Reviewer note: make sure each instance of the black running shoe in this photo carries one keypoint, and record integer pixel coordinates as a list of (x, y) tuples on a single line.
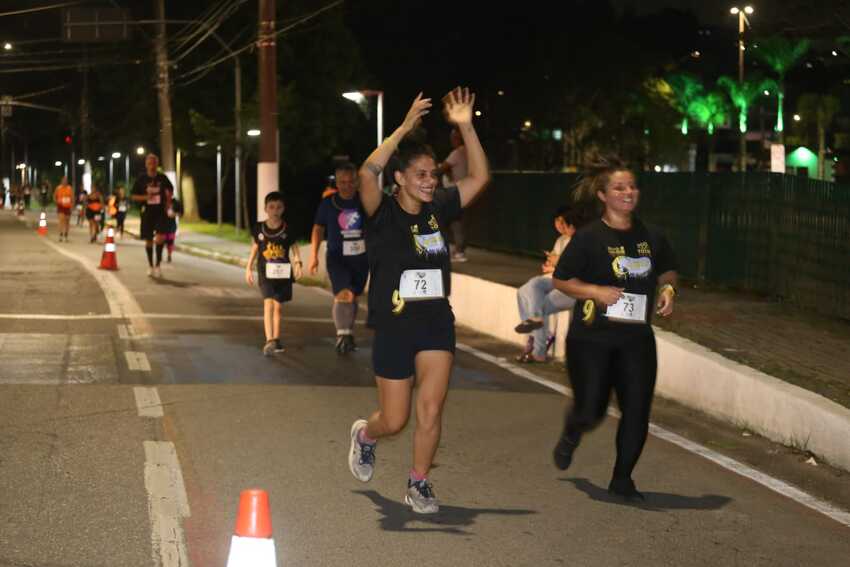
[(527, 326), (563, 453), (625, 489)]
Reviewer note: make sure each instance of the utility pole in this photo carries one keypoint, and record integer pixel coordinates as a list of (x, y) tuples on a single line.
[(166, 139), (267, 167)]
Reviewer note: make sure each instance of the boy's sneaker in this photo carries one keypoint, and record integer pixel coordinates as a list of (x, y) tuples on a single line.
[(420, 497), (157, 272), (278, 346), (625, 489), (459, 257), (269, 347), (150, 272), (361, 456), (563, 453)]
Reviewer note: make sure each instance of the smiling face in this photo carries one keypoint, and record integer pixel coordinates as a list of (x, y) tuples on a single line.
[(621, 194), (419, 180)]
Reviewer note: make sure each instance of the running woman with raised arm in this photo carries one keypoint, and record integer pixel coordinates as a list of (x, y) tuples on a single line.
[(410, 274)]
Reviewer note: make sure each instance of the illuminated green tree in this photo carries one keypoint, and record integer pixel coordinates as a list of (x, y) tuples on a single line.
[(781, 54), (819, 110), (742, 96), (686, 88), (709, 110)]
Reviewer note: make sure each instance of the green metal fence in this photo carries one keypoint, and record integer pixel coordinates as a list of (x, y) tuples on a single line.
[(774, 234)]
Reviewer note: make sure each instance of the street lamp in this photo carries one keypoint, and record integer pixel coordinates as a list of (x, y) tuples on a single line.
[(253, 132), (742, 14), (81, 162), (58, 163), (140, 151), (7, 46), (360, 98)]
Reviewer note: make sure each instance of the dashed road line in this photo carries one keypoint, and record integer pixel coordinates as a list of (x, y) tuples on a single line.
[(167, 504), (137, 361), (148, 402)]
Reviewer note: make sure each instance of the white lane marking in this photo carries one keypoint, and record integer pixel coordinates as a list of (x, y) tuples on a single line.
[(137, 361), (121, 302), (167, 504), (512, 368), (135, 334), (776, 485), (148, 402)]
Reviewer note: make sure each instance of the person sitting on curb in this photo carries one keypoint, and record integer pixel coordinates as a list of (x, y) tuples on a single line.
[(538, 298)]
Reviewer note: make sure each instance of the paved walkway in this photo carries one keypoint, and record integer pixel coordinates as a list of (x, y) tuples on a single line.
[(803, 349)]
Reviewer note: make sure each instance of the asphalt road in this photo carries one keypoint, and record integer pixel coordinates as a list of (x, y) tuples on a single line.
[(133, 411)]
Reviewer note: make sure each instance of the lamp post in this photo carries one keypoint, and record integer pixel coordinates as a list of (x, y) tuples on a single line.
[(360, 98), (742, 14), (112, 158)]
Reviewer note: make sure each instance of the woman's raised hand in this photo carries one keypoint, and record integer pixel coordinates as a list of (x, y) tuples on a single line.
[(418, 109), (458, 105)]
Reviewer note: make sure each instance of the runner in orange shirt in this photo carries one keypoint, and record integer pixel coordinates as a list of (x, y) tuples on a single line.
[(94, 212), (64, 198)]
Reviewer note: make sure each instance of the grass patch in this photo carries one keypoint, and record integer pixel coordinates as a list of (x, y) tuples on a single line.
[(226, 231)]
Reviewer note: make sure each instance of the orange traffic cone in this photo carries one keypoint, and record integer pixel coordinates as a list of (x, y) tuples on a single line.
[(253, 546), (109, 258), (42, 224)]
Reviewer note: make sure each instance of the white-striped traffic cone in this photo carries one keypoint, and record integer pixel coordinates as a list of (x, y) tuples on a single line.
[(42, 224), (253, 545), (109, 258)]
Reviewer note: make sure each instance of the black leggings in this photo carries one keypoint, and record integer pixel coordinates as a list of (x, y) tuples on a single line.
[(629, 367)]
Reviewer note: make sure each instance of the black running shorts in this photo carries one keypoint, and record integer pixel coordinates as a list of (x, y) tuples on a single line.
[(395, 347)]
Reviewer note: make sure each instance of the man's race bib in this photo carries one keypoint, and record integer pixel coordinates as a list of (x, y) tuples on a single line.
[(278, 271), (154, 199), (421, 284), (66, 201), (631, 308), (122, 208), (353, 247), (97, 218)]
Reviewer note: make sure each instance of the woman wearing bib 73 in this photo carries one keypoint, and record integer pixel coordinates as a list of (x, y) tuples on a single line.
[(410, 273), (620, 271)]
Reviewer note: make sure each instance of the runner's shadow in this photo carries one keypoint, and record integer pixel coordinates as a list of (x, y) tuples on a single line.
[(450, 519), (655, 501), (174, 283)]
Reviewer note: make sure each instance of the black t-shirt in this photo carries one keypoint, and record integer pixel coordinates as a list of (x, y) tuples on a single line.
[(397, 241), (343, 221), (273, 248), (631, 259), (158, 190)]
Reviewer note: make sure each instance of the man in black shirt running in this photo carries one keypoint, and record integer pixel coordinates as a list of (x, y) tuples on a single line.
[(155, 191)]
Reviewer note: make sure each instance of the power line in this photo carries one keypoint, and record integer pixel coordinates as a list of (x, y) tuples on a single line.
[(252, 44), (211, 30), (38, 93), (42, 8)]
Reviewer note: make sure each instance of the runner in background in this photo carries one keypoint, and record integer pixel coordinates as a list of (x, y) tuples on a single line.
[(454, 169), (340, 216), (173, 213), (94, 212), (81, 207), (154, 191), (278, 265), (63, 196), (121, 205)]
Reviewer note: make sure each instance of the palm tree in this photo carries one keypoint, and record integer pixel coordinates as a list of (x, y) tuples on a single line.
[(742, 96), (781, 54), (820, 109), (686, 88), (709, 110)]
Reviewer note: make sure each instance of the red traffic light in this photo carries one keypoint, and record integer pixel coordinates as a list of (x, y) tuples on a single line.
[(68, 140)]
